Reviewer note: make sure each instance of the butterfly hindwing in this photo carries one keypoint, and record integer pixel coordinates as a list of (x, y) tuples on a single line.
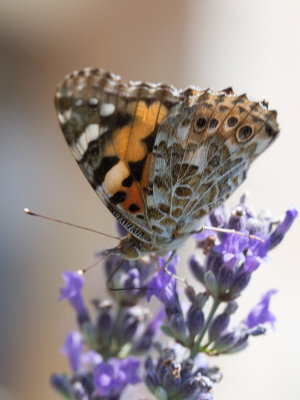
[(201, 155)]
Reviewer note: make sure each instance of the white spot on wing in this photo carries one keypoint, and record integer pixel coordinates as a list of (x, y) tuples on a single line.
[(107, 109), (65, 116), (78, 103), (115, 176), (93, 101), (92, 132), (68, 113), (82, 143), (61, 118)]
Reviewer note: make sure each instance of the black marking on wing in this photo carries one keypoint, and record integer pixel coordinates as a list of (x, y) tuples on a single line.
[(118, 197), (105, 165), (137, 168)]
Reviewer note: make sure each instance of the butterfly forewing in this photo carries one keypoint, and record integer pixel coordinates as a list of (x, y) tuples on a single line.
[(111, 128)]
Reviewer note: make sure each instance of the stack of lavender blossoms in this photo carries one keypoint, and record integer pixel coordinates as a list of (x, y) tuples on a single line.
[(125, 345)]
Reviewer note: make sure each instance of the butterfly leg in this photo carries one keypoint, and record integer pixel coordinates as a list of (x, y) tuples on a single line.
[(165, 269)]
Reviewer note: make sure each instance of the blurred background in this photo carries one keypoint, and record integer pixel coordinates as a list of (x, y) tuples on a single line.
[(253, 46)]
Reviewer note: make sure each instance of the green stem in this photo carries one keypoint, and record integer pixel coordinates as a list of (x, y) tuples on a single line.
[(196, 348)]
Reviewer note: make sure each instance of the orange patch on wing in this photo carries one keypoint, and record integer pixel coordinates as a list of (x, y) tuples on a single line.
[(113, 183), (145, 175), (127, 144), (127, 141), (133, 196)]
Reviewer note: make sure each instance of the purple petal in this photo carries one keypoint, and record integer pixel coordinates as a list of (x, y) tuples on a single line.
[(256, 254), (130, 368), (72, 291), (277, 236), (261, 314), (73, 349), (104, 378), (290, 215), (73, 285), (112, 377), (163, 286), (90, 359), (232, 248)]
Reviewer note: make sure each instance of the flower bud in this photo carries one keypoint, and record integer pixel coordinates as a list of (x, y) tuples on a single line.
[(225, 278), (218, 217), (178, 327), (237, 220), (61, 384), (211, 283), (195, 320), (127, 328), (239, 283), (104, 328), (79, 392), (198, 270), (218, 326)]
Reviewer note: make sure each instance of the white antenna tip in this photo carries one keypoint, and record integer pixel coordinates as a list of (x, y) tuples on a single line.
[(26, 211), (80, 272)]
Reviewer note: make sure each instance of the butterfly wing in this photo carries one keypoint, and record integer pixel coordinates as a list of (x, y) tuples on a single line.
[(111, 128), (201, 154)]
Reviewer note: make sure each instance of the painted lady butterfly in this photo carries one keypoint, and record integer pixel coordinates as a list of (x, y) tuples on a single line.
[(160, 158)]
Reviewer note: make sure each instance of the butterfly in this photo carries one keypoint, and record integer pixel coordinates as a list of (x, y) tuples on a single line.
[(159, 158)]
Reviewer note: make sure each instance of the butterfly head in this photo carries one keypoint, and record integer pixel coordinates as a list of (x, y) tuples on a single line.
[(127, 249)]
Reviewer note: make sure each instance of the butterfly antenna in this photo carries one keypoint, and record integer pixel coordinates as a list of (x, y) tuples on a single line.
[(85, 270), (112, 275), (231, 231), (29, 212)]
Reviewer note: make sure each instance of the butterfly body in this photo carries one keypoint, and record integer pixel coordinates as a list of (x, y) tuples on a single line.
[(160, 159)]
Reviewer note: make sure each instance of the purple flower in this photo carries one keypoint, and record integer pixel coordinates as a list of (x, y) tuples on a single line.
[(256, 254), (72, 291), (217, 218), (171, 379), (232, 248), (231, 259), (73, 350), (277, 236), (163, 286), (111, 378), (261, 314), (133, 274)]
